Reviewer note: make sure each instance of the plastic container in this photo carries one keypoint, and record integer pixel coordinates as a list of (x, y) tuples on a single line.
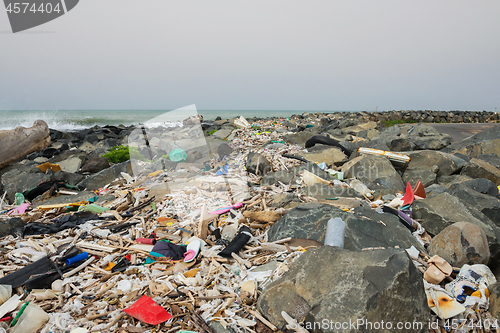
[(335, 232), (32, 319), (77, 258), (177, 155)]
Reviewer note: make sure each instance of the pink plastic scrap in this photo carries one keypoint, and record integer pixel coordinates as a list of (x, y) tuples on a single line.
[(21, 209), (147, 311), (223, 210)]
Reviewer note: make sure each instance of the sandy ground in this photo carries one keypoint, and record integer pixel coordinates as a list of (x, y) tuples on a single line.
[(459, 132)]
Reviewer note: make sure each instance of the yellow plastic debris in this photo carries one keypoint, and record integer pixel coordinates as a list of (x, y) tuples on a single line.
[(156, 173), (73, 204), (45, 166)]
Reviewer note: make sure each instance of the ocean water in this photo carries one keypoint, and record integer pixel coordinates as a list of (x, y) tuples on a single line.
[(65, 120)]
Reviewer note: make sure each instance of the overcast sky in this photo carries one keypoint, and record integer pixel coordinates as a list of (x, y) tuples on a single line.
[(258, 54)]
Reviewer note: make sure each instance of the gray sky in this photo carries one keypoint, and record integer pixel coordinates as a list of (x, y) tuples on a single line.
[(271, 54)]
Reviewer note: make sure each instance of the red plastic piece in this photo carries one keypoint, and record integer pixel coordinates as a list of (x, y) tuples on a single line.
[(150, 241), (409, 197), (147, 311), (419, 190)]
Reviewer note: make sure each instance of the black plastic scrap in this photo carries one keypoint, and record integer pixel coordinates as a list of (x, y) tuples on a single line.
[(243, 236), (19, 278), (65, 222), (326, 141), (44, 187)]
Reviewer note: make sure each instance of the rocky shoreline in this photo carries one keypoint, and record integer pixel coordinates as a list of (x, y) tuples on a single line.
[(291, 177)]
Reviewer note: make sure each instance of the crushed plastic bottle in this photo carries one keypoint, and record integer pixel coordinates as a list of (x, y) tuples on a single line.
[(18, 199), (93, 208)]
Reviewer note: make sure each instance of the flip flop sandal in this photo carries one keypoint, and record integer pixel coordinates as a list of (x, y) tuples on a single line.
[(192, 250)]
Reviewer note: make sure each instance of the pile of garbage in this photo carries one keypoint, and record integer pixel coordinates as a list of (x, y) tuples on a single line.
[(182, 243)]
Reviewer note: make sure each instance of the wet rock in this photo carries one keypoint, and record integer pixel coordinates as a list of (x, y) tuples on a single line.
[(447, 163), (22, 141), (461, 243), (105, 176), (482, 169), (309, 221), (258, 164), (321, 153), (376, 172), (21, 179), (95, 164), (328, 284)]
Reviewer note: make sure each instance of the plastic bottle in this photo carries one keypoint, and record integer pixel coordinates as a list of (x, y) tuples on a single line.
[(335, 232), (361, 188), (32, 319), (18, 199)]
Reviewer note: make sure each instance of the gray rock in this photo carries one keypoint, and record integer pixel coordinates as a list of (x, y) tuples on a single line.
[(71, 165), (222, 133), (13, 226), (442, 210), (299, 138), (376, 172), (492, 159), (224, 149), (461, 243), (105, 177), (492, 133), (327, 154), (21, 179), (70, 178), (432, 143), (283, 199), (494, 300), (323, 192), (450, 180), (328, 284), (66, 199), (486, 204), (286, 176), (480, 185), (95, 164), (309, 221), (426, 176), (482, 169), (447, 163), (258, 164)]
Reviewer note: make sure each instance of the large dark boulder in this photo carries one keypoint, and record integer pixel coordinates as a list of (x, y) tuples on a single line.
[(94, 164), (330, 285), (492, 159), (20, 179), (482, 169), (445, 164), (376, 172), (486, 204), (105, 176), (13, 226), (481, 185), (363, 228)]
